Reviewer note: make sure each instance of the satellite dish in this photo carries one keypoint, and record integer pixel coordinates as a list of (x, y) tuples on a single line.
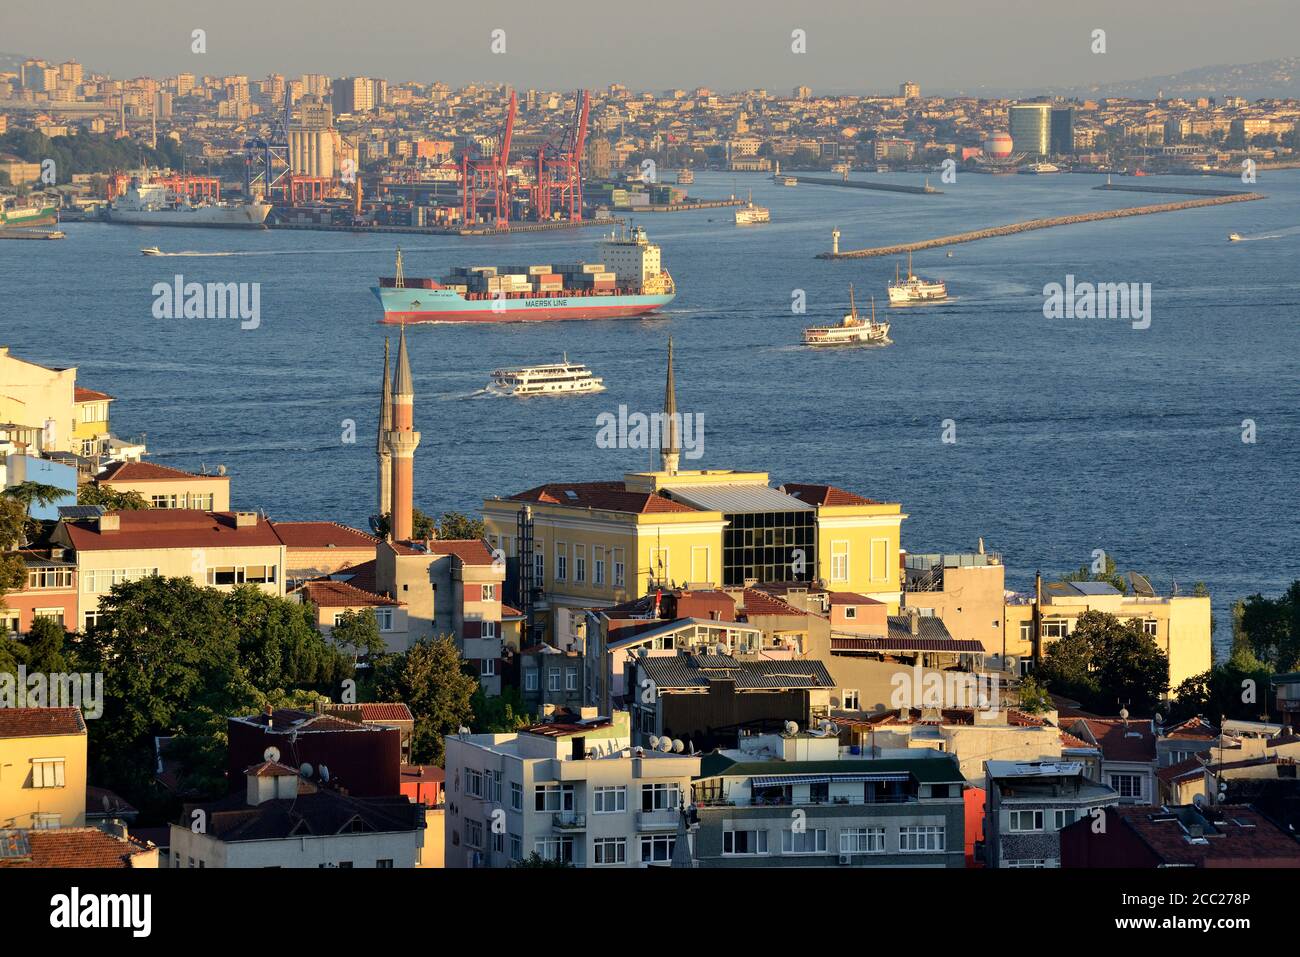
[(654, 741), (271, 754), (1198, 800), (791, 728), (324, 773), (665, 744), (722, 648), (305, 769), (678, 746), (1141, 585), (221, 470)]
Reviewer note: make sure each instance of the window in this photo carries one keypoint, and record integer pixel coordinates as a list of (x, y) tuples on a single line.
[(259, 574), (1128, 785), (473, 782), (201, 501), (47, 821), (1032, 862), (90, 619), (659, 570), (920, 838), (744, 842), (498, 842), (516, 796), (384, 618), (384, 863), (839, 561), (598, 556), (1151, 627), (49, 578), (552, 679), (555, 849), (609, 850), (487, 667), (539, 566), (657, 848), (1027, 631), (611, 800), (561, 561), (660, 797), (618, 568), (1062, 818), (102, 579), (570, 679), (473, 833), (851, 611), (487, 629), (850, 699), (489, 592), (530, 680), (803, 842), (492, 780), (1025, 821), (579, 563), (1056, 627), (53, 614), (167, 501), (516, 847), (47, 772), (239, 574), (553, 797), (862, 840)]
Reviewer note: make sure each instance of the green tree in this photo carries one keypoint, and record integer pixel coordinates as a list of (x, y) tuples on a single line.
[(26, 493), (110, 498), (280, 647), (1106, 662), (1272, 626), (456, 525), (428, 676), (45, 647), (498, 714), (13, 532), (536, 860), (422, 526), (1033, 696), (356, 633), (1110, 574)]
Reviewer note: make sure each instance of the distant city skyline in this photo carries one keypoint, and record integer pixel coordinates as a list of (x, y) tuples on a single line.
[(1003, 45)]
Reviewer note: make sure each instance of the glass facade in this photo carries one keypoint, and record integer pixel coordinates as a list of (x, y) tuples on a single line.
[(1031, 128), (769, 547)]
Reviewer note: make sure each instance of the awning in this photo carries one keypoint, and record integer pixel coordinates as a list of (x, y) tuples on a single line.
[(784, 780)]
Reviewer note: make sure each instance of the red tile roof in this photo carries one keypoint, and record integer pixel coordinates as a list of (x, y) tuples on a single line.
[(422, 772), (322, 535), (89, 395), (508, 611), (70, 847), (1196, 728), (171, 528), (1120, 742), (1243, 838), (39, 722), (327, 593), (360, 575), (367, 711), (815, 494), (1183, 767), (608, 496), (756, 602), (150, 472), (851, 598), (471, 551)]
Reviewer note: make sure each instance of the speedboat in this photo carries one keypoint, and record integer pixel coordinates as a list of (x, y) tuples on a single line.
[(151, 251), (1234, 237)]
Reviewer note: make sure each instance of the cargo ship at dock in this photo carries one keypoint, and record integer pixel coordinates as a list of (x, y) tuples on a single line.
[(628, 281)]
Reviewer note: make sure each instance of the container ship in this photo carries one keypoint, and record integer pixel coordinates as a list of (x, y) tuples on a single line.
[(150, 204), (628, 281)]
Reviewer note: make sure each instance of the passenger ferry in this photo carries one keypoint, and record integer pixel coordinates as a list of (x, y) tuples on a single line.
[(750, 215), (853, 330), (561, 378), (914, 288)]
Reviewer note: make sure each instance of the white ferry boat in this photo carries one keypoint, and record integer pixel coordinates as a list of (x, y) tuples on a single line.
[(1234, 237), (150, 204), (853, 330), (750, 215), (561, 378), (1037, 169), (788, 180), (914, 288)]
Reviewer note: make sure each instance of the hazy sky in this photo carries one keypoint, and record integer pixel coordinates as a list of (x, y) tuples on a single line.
[(945, 45)]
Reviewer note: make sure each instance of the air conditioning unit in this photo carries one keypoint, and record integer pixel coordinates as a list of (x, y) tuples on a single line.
[(846, 858)]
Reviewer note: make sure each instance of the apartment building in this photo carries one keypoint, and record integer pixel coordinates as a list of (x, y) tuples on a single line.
[(1128, 754), (1227, 835), (42, 768), (164, 487), (573, 790), (800, 800), (217, 549), (1028, 803)]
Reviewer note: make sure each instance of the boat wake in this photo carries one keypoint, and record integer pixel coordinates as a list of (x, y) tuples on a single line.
[(1280, 234)]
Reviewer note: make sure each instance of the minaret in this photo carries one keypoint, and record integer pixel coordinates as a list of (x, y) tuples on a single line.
[(402, 440), (672, 441), (381, 450)]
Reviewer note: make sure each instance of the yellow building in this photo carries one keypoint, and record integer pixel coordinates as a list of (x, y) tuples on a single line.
[(90, 427), (42, 768), (166, 488), (1180, 625), (595, 544), (40, 399)]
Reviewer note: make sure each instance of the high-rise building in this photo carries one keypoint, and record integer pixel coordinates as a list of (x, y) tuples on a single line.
[(909, 90), (1062, 139), (353, 94), (1031, 128), (184, 84)]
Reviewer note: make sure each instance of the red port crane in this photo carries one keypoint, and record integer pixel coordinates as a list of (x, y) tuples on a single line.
[(479, 177), (559, 169)]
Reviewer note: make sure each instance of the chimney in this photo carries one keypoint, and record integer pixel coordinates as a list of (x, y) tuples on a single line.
[(109, 522), (245, 519), (913, 621)]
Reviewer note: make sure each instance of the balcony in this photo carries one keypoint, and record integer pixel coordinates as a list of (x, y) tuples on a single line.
[(656, 820), (568, 821)]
